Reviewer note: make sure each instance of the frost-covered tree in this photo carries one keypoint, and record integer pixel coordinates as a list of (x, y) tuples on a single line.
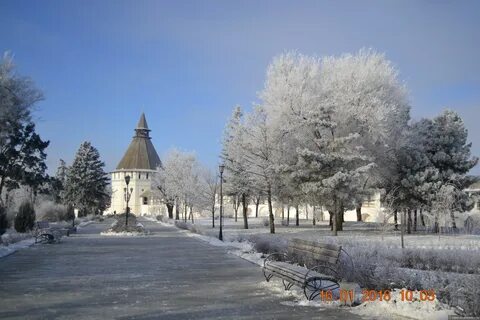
[(87, 182), (238, 174), (263, 157), (434, 155), (177, 182), (446, 146), (324, 108), (22, 151), (371, 101), (207, 191)]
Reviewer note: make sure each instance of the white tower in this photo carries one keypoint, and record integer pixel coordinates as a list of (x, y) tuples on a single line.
[(140, 163)]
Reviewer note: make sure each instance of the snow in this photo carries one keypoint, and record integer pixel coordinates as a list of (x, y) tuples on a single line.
[(14, 247), (123, 234), (85, 223), (394, 309)]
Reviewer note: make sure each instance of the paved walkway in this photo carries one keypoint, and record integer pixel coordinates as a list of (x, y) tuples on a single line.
[(163, 276)]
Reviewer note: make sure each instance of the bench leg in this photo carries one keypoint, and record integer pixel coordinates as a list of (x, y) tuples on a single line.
[(267, 277), (287, 285)]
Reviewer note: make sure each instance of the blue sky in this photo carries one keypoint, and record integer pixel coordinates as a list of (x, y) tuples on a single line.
[(187, 63)]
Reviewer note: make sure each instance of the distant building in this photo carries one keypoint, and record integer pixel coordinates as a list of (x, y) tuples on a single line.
[(140, 162), (474, 191)]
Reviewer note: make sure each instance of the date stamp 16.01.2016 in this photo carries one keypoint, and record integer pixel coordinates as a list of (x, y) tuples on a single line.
[(378, 295)]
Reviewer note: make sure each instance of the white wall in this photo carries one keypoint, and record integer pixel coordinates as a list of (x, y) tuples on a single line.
[(139, 183)]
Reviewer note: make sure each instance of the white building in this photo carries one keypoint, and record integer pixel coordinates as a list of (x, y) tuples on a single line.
[(140, 162)]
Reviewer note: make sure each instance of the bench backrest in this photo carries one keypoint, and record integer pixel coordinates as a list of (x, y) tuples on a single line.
[(314, 251), (42, 225)]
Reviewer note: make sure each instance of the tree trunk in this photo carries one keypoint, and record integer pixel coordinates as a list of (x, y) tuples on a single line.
[(435, 225), (270, 210), (339, 215), (335, 219), (395, 218), (314, 216), (235, 206), (297, 216), (452, 217), (257, 204), (177, 212), (288, 215), (402, 227), (185, 212), (191, 214), (213, 216), (358, 208), (422, 218), (283, 212), (330, 223), (415, 220), (170, 210), (306, 211), (409, 222), (245, 211)]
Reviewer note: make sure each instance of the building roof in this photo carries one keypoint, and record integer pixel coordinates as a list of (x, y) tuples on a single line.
[(141, 153)]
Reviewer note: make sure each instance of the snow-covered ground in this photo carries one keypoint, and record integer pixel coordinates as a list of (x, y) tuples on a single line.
[(11, 241), (367, 234)]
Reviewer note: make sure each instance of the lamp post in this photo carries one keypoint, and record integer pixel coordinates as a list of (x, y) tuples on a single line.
[(221, 168), (127, 198)]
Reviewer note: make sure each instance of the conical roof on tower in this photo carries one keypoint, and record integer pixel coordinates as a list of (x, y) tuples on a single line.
[(141, 153)]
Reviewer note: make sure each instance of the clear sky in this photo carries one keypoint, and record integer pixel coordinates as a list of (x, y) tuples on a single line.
[(187, 63)]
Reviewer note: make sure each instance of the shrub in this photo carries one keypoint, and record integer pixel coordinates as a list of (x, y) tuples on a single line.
[(266, 221), (3, 220), (269, 244), (284, 223), (25, 218), (472, 224), (133, 226), (161, 218), (181, 225), (52, 212)]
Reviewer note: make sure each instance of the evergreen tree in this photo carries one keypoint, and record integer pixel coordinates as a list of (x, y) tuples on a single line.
[(25, 218), (449, 153), (58, 182), (86, 183), (22, 159), (22, 156)]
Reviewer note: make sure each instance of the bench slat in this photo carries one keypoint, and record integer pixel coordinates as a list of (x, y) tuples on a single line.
[(295, 271), (316, 250), (317, 257), (316, 244)]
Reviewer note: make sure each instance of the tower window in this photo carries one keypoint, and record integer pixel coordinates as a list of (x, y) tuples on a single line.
[(147, 175), (139, 176), (145, 200)]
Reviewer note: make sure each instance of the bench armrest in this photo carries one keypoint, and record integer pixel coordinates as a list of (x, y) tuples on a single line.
[(276, 254)]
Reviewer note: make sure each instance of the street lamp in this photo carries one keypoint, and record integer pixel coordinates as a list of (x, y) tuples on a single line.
[(127, 198), (221, 168)]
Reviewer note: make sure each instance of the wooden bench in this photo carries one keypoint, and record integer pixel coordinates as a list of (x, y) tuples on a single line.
[(45, 234), (321, 271)]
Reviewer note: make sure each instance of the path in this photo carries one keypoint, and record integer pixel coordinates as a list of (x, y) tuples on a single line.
[(166, 275)]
